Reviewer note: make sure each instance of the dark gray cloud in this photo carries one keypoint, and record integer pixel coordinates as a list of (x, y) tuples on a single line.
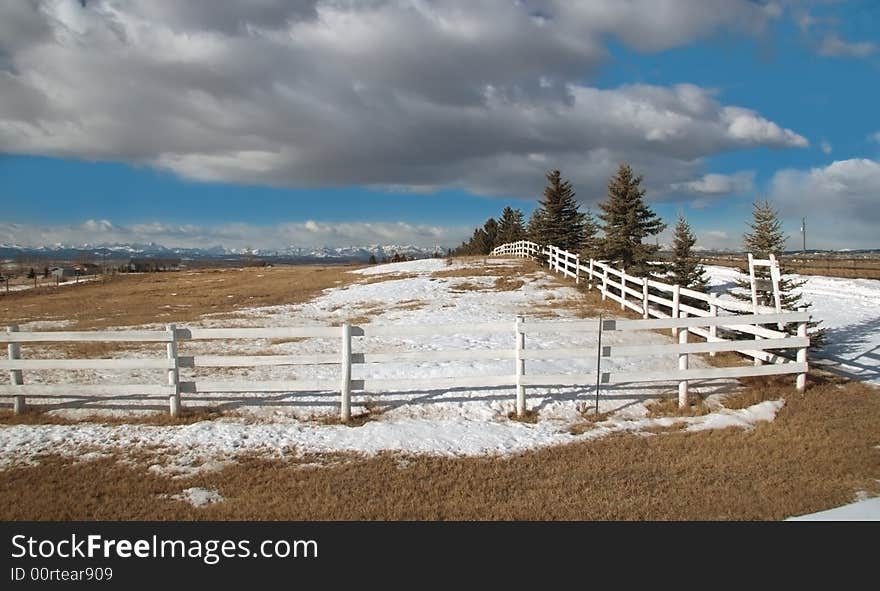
[(484, 96)]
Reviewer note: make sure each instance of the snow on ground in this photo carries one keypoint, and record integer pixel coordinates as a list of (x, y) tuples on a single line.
[(199, 497), (865, 510), (427, 420), (850, 313)]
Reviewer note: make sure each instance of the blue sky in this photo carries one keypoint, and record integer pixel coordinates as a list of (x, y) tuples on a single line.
[(195, 126)]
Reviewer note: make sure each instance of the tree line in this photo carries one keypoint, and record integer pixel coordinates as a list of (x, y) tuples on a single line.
[(620, 234)]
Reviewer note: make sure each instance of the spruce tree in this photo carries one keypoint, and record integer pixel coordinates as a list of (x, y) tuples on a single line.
[(535, 226), (686, 269), (766, 237), (558, 220), (627, 220), (590, 245), (511, 226)]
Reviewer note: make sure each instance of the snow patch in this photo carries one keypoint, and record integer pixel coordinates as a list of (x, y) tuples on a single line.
[(867, 510), (199, 497)]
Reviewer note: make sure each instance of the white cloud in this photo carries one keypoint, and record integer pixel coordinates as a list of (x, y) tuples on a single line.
[(380, 93), (840, 202), (719, 184), (826, 147), (307, 234), (875, 137), (833, 46)]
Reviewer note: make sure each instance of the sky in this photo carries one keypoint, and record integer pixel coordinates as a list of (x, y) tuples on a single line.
[(275, 123)]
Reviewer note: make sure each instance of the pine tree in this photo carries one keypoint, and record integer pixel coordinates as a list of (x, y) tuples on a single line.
[(686, 269), (511, 226), (590, 245), (372, 260), (490, 228), (627, 220), (535, 226), (766, 237), (558, 221)]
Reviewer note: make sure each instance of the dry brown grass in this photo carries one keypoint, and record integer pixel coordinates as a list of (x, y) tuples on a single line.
[(188, 415), (127, 300), (668, 407), (819, 452), (864, 268), (530, 416), (382, 277)]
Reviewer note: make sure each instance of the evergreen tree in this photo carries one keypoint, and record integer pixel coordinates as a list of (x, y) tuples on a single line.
[(490, 229), (535, 226), (558, 220), (590, 245), (372, 260), (766, 237), (686, 269), (627, 220), (511, 226)]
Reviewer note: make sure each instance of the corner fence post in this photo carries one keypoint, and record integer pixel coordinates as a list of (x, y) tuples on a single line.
[(713, 312), (676, 303), (683, 365), (345, 387), (520, 367), (173, 372), (577, 269), (622, 288), (15, 376), (801, 382), (645, 297), (590, 284)]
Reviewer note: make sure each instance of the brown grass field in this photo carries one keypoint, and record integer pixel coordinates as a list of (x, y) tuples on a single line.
[(829, 266), (822, 450), (135, 299)]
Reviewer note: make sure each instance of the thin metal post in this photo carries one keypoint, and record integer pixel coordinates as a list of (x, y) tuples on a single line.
[(19, 405), (520, 367), (599, 364), (345, 386)]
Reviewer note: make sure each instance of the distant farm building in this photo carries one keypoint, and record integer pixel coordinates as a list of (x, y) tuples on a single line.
[(62, 273), (149, 265)]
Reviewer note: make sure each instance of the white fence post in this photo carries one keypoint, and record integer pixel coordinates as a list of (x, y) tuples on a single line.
[(520, 368), (713, 313), (174, 372), (590, 284), (577, 269), (645, 297), (682, 365), (15, 376), (676, 303), (622, 288), (345, 387), (801, 382), (604, 282)]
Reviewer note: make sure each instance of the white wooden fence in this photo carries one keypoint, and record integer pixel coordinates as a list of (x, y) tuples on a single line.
[(656, 299), (172, 362)]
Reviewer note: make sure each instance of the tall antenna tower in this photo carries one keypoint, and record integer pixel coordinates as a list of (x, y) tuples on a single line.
[(804, 234)]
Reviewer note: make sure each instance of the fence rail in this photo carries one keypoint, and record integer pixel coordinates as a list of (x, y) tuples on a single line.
[(346, 357), (743, 328), (654, 299)]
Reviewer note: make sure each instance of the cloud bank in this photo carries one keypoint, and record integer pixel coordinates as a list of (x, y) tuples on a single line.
[(392, 93), (841, 202)]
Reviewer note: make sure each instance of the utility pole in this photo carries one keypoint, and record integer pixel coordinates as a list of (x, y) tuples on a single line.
[(804, 234)]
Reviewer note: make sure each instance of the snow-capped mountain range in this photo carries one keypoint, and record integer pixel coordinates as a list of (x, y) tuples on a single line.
[(120, 251)]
